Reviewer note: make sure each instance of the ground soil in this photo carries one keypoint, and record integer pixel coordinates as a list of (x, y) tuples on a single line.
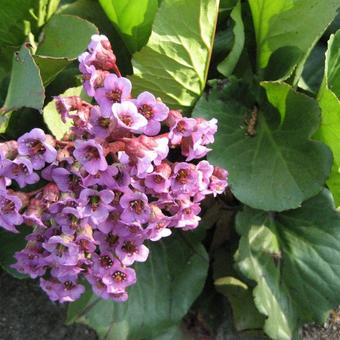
[(27, 314)]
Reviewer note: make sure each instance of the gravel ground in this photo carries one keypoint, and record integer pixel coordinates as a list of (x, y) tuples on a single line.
[(27, 314)]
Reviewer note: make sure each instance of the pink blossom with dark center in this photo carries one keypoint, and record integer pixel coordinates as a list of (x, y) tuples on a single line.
[(90, 155), (119, 277), (102, 177), (153, 110), (34, 145), (184, 179), (187, 217), (70, 220), (136, 207), (130, 250), (21, 170), (95, 204), (128, 118), (9, 211), (66, 180), (31, 260), (67, 290), (62, 250), (115, 90), (184, 127), (101, 125)]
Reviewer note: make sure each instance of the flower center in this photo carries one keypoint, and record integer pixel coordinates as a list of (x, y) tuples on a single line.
[(106, 262), (187, 211), (158, 179), (160, 225), (146, 111), (129, 247), (114, 95), (91, 152), (60, 249), (119, 276), (74, 221), (180, 126), (94, 202), (68, 285), (118, 195), (35, 146), (104, 122), (74, 182), (19, 169), (126, 119), (137, 206), (111, 239), (133, 229), (7, 206), (182, 176)]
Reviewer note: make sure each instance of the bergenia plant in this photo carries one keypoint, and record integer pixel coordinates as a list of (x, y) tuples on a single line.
[(111, 184)]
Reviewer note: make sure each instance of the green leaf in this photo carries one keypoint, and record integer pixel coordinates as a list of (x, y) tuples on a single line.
[(25, 87), (18, 19), (174, 63), (65, 36), (275, 166), (313, 70), (227, 66), (329, 131), (52, 117), (50, 67), (168, 283), (132, 18), (4, 120), (279, 28), (294, 259), (240, 296), (9, 244)]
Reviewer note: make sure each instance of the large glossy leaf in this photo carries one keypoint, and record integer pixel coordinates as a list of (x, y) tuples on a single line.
[(52, 117), (240, 297), (65, 36), (174, 63), (168, 283), (132, 18), (313, 70), (273, 165), (25, 87), (329, 131), (283, 35), (227, 66), (63, 39), (294, 258)]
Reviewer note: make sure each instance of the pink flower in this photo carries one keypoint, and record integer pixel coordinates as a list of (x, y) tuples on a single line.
[(127, 117), (154, 111), (90, 155), (115, 90), (36, 145)]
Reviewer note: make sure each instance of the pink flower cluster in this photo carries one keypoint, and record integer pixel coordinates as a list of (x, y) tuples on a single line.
[(119, 178)]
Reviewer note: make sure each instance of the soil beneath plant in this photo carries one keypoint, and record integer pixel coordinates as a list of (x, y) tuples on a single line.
[(26, 313)]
